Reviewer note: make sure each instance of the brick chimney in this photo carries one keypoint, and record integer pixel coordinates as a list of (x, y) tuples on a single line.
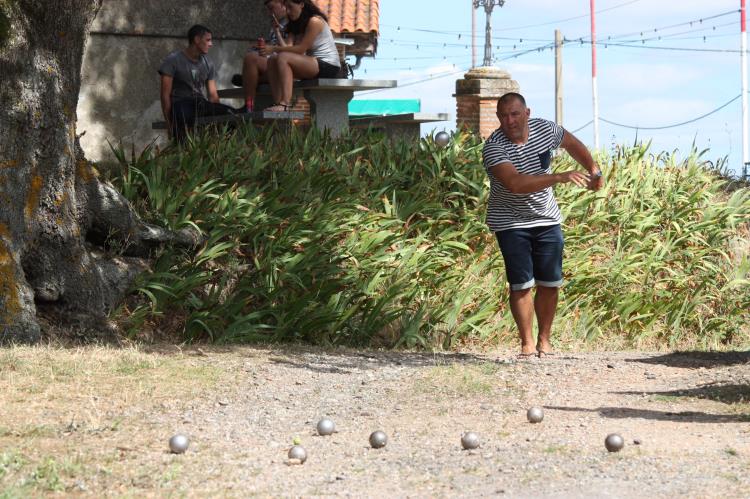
[(476, 99)]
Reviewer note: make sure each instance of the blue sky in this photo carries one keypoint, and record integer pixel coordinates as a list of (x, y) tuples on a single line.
[(668, 74)]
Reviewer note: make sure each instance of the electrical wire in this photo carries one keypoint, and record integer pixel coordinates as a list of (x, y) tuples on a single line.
[(686, 23), (679, 49), (670, 126), (581, 127), (515, 28), (602, 37)]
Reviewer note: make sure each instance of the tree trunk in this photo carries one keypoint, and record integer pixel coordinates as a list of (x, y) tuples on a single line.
[(52, 203)]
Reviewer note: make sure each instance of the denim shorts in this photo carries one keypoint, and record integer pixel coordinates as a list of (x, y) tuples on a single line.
[(532, 256)]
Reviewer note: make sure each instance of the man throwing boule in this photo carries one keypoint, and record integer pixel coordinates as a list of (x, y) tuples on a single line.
[(524, 215)]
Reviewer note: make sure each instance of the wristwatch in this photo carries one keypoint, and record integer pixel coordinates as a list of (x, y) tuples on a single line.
[(597, 174)]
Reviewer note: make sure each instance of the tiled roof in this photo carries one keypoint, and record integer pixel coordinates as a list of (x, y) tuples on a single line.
[(351, 16)]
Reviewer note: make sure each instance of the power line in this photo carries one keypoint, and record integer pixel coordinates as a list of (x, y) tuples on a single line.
[(669, 126), (653, 47), (570, 18), (582, 127), (686, 23), (670, 35), (422, 30), (417, 82), (609, 37)]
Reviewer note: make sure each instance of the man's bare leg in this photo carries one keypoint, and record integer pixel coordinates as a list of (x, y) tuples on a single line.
[(545, 306), (522, 308)]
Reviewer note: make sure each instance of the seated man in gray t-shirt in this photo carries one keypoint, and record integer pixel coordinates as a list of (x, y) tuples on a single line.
[(188, 86)]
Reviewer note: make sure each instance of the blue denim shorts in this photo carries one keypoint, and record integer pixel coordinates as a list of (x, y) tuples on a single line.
[(532, 256)]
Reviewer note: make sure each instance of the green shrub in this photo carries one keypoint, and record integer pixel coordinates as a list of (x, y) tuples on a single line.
[(363, 241)]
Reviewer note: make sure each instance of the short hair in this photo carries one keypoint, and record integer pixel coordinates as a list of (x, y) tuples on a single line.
[(197, 30), (505, 99)]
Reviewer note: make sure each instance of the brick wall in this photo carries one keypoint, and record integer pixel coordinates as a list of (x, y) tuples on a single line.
[(477, 114), (300, 104), (476, 99)]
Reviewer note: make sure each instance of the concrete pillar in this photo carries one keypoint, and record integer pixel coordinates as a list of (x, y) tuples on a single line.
[(476, 99)]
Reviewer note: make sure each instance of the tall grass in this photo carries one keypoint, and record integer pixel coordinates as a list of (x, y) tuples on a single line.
[(364, 241)]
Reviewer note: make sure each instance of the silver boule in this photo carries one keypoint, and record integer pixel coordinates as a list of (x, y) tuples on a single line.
[(326, 427), (378, 439), (442, 139), (535, 415), (179, 444), (299, 453), (470, 440), (614, 442)]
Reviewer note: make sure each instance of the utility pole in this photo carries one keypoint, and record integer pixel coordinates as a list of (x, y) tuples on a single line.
[(558, 78), (743, 64), (594, 91), (473, 35)]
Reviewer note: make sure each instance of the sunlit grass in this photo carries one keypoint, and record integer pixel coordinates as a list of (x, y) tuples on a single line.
[(363, 241)]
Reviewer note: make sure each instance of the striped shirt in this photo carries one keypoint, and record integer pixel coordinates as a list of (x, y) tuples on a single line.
[(514, 211)]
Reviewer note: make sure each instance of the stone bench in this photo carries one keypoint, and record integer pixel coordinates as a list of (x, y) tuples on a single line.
[(405, 125), (254, 117), (328, 97)]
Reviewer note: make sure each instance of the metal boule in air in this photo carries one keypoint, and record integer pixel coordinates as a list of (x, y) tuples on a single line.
[(470, 440), (378, 439), (614, 442), (442, 139), (326, 427), (535, 415), (299, 453), (179, 444)]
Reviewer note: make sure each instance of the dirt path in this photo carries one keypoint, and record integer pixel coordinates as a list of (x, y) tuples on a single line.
[(96, 421)]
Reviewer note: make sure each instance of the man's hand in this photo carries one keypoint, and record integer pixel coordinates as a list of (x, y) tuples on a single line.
[(596, 181), (574, 176)]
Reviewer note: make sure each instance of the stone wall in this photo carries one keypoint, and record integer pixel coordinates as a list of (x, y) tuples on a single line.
[(119, 95)]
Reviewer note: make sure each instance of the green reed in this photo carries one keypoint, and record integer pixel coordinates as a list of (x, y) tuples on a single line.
[(368, 242)]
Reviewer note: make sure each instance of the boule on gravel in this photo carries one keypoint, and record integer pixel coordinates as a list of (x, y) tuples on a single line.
[(470, 440), (378, 439), (298, 453), (535, 415), (614, 442), (179, 443), (326, 427)]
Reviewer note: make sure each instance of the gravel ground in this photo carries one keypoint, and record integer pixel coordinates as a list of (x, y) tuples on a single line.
[(685, 419)]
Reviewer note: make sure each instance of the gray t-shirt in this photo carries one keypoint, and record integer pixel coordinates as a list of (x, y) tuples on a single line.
[(189, 77)]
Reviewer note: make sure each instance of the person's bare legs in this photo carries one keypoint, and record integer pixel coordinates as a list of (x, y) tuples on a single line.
[(522, 308), (545, 306), (254, 68), (286, 67), (273, 78)]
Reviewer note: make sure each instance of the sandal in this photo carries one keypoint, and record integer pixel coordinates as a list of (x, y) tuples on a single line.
[(525, 356), (277, 108)]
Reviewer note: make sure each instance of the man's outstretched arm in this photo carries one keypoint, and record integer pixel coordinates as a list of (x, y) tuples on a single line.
[(519, 183)]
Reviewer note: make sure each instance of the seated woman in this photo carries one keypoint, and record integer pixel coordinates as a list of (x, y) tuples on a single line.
[(312, 54)]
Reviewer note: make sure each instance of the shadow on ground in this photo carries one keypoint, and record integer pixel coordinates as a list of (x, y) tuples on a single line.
[(345, 361), (333, 360), (727, 393), (696, 359), (682, 417)]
